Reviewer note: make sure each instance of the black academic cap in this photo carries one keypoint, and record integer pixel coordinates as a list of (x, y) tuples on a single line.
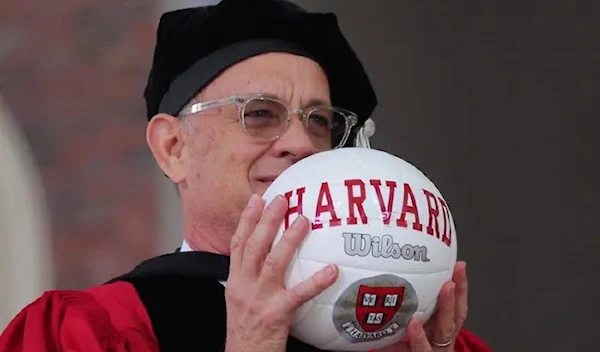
[(195, 45)]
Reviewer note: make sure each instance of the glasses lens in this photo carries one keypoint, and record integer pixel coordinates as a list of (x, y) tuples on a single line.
[(264, 118), (267, 118), (327, 123)]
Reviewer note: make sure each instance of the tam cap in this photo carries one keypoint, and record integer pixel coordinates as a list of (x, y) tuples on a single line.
[(195, 45)]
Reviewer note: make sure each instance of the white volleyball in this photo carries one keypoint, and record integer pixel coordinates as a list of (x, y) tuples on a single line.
[(389, 230)]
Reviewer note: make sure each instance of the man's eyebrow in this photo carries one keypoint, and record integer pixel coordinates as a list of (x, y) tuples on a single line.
[(316, 101)]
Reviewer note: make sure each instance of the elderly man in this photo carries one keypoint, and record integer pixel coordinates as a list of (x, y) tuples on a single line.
[(238, 92)]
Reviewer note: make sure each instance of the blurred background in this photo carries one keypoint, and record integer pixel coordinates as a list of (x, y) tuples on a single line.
[(482, 97)]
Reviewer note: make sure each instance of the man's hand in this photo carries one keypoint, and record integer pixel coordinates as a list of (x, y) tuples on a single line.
[(259, 308), (445, 324)]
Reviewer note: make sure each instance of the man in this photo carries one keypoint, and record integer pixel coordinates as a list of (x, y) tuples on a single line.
[(238, 92)]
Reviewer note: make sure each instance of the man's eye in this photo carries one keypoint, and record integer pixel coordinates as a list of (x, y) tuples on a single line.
[(321, 121), (260, 114)]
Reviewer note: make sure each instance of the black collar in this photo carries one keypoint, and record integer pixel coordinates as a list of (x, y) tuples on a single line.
[(183, 287), (205, 264)]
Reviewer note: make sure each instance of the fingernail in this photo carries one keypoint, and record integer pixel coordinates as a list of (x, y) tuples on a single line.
[(275, 201), (299, 221), (253, 202), (279, 199), (329, 270)]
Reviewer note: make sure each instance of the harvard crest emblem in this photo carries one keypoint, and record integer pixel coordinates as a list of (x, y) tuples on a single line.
[(374, 308)]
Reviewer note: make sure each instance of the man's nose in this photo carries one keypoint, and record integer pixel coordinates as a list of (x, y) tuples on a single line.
[(295, 143)]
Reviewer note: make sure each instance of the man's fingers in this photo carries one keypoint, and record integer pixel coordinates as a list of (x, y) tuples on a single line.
[(444, 328), (260, 241), (462, 293), (311, 287), (417, 337), (278, 260), (246, 225)]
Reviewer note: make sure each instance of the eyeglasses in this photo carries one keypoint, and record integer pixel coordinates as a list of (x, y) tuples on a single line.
[(268, 118)]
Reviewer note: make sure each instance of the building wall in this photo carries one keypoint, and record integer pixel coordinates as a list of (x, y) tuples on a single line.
[(72, 73)]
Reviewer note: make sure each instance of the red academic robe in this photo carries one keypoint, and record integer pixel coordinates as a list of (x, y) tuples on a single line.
[(170, 303)]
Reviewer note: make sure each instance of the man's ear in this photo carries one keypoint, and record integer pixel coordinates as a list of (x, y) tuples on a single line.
[(165, 139)]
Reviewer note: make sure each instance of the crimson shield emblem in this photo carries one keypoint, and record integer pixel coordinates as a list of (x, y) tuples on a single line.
[(376, 306)]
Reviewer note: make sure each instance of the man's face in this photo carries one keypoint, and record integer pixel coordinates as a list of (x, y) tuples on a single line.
[(218, 166)]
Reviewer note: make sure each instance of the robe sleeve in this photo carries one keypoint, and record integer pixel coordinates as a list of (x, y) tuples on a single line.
[(466, 341), (107, 318)]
